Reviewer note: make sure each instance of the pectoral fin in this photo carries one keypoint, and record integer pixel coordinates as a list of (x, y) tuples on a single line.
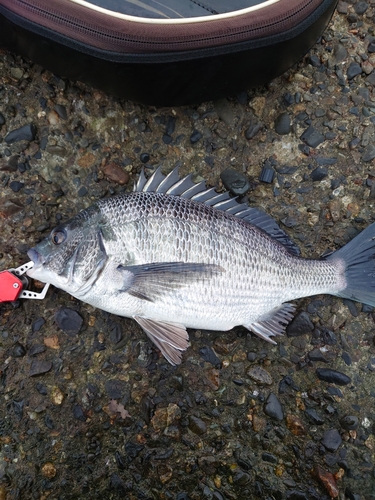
[(170, 338), (273, 323), (149, 281)]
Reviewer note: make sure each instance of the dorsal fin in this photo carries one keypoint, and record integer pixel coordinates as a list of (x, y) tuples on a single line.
[(187, 188)]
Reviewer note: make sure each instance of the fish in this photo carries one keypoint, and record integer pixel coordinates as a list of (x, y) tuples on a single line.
[(174, 254)]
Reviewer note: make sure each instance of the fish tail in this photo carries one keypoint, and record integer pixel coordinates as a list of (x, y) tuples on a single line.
[(358, 258)]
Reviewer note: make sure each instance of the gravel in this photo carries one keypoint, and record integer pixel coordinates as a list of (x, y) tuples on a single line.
[(90, 408)]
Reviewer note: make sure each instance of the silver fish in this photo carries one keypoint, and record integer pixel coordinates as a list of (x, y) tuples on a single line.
[(175, 255)]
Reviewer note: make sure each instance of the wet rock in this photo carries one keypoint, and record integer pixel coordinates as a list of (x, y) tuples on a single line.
[(235, 182), (318, 174), (327, 479), (273, 408), (312, 137), (332, 376), (116, 174), (39, 367), (69, 321), (300, 325), (368, 153), (260, 375), (349, 422), (353, 70), (61, 111), (197, 425), (25, 133), (282, 124), (144, 157), (331, 440), (317, 355)]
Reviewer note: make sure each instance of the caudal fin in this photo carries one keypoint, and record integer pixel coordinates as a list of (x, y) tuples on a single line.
[(359, 258)]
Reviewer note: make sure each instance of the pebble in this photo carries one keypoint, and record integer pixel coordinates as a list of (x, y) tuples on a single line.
[(116, 174), (69, 321), (312, 137), (314, 416), (349, 422), (39, 367), (209, 355), (319, 173), (61, 111), (18, 350), (295, 425), (253, 128), (197, 426), (353, 70), (332, 376), (267, 174), (282, 124), (327, 479), (115, 388), (195, 136), (2, 119), (25, 133), (360, 8), (235, 182), (331, 440), (300, 325), (273, 408), (48, 470), (369, 153), (260, 375), (144, 157), (16, 186), (165, 417)]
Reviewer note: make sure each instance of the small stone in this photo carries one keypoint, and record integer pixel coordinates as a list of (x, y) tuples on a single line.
[(353, 70), (48, 470), (115, 388), (144, 157), (312, 137), (235, 182), (197, 425), (57, 396), (268, 457), (69, 321), (52, 342), (282, 124), (342, 7), (370, 48), (314, 416), (209, 355), (267, 174), (25, 133), (295, 425), (369, 153), (260, 375), (87, 160), (61, 111), (18, 350), (116, 174), (16, 186), (2, 119), (273, 408), (360, 8), (78, 413), (300, 325), (253, 128), (328, 480), (165, 417), (349, 422), (195, 136), (332, 376), (40, 367), (331, 440)]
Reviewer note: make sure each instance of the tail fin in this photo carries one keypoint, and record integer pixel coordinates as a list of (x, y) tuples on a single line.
[(359, 258)]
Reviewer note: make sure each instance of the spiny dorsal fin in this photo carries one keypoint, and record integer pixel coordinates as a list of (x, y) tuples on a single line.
[(187, 188)]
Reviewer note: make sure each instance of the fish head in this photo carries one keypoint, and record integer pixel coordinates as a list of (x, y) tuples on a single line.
[(72, 255)]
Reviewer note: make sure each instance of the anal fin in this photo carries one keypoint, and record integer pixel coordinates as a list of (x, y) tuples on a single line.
[(170, 338), (274, 322)]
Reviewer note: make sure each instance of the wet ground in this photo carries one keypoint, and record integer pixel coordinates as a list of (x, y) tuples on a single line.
[(90, 410)]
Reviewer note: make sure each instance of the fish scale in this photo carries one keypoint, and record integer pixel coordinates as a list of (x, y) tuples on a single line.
[(174, 260)]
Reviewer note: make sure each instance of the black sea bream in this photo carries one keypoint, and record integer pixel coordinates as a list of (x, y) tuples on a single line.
[(175, 255)]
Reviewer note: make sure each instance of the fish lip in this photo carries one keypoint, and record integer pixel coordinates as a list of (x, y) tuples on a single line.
[(37, 258)]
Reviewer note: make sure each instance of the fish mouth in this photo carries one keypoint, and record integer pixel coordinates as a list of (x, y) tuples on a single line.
[(37, 258)]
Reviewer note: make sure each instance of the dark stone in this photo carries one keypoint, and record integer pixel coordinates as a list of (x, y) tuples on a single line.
[(349, 422), (371, 78), (25, 133), (332, 376), (346, 357), (296, 495), (353, 70), (273, 408), (321, 160), (16, 186), (144, 157), (18, 350), (82, 191), (360, 8), (252, 129), (133, 449), (208, 355), (171, 125), (312, 137), (42, 389), (369, 153), (195, 136), (61, 111), (37, 324), (39, 367), (240, 478), (282, 124), (317, 355), (115, 388), (267, 174), (351, 306), (118, 485), (331, 440), (314, 416), (351, 495), (370, 48), (78, 413), (315, 61), (36, 349), (69, 321), (197, 425), (235, 182), (167, 139), (2, 119), (300, 325), (268, 457), (319, 173)]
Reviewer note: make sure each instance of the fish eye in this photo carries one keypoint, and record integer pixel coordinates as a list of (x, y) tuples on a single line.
[(58, 237)]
